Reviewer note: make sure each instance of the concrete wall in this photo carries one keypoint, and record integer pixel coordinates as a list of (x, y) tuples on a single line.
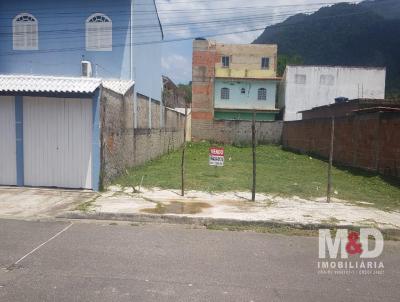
[(369, 141), (245, 60), (322, 84), (124, 146), (147, 51), (237, 132), (117, 135)]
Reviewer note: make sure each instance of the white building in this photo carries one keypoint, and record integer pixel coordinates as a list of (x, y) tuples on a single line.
[(306, 87)]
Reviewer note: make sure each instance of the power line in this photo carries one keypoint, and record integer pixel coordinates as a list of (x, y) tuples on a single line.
[(168, 41)]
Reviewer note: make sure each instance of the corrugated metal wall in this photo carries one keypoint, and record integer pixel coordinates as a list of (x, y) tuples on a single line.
[(58, 142), (8, 170)]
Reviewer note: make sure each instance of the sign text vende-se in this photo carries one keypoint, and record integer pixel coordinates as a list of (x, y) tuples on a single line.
[(216, 157)]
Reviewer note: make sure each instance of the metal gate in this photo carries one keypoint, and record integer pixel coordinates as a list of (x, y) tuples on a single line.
[(57, 142)]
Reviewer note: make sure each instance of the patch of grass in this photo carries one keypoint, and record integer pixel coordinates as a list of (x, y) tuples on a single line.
[(278, 172), (283, 230)]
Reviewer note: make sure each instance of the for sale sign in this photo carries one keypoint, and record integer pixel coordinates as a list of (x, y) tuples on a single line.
[(216, 157)]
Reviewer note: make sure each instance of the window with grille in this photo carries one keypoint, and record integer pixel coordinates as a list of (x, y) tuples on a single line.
[(224, 93), (25, 32), (98, 33), (264, 63), (243, 91), (262, 94), (225, 61)]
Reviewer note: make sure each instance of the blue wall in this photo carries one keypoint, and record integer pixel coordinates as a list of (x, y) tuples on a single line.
[(249, 100), (62, 41)]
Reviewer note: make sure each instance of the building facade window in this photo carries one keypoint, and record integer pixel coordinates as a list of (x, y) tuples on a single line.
[(262, 94), (243, 91), (300, 79), (25, 32), (264, 63), (98, 33), (224, 93), (327, 79), (225, 61)]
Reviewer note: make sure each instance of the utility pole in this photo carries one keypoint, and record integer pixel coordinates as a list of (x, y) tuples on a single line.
[(329, 190), (183, 155), (253, 143)]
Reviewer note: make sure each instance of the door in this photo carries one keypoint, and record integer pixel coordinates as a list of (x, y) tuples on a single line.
[(58, 142), (8, 162)]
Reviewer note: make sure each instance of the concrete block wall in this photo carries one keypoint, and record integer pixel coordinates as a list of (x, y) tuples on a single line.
[(143, 111), (370, 141), (117, 135), (124, 146), (239, 132)]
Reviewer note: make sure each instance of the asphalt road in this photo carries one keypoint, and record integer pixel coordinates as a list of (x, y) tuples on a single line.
[(103, 262)]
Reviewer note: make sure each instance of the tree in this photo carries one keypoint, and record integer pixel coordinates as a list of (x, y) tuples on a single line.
[(185, 90), (284, 60)]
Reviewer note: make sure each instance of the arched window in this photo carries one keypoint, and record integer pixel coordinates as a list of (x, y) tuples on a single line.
[(262, 94), (224, 93), (25, 32), (98, 33)]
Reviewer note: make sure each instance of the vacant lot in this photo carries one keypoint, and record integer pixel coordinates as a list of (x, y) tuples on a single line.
[(278, 172)]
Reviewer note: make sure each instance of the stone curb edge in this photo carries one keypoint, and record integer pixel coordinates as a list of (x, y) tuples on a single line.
[(205, 221)]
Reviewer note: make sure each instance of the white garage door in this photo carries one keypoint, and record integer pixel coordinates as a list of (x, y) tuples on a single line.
[(58, 142), (8, 163)]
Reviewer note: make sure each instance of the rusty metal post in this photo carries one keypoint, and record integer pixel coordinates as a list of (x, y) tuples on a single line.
[(253, 143)]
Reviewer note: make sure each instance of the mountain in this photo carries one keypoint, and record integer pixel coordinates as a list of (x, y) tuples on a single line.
[(389, 9), (364, 34)]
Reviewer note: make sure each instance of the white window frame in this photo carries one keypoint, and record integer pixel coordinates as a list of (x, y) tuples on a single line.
[(262, 94), (99, 33), (25, 32), (225, 92)]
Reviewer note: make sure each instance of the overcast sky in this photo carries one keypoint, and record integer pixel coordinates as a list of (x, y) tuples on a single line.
[(183, 19)]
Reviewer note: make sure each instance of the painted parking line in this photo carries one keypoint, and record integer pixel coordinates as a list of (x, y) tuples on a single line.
[(39, 246)]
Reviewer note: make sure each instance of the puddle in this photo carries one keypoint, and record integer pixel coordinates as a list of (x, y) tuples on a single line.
[(178, 207)]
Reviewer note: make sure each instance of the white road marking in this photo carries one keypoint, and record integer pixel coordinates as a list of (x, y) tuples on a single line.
[(44, 243)]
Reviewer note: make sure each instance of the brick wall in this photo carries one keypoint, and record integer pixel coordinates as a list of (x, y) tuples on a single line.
[(370, 141), (122, 146), (203, 71)]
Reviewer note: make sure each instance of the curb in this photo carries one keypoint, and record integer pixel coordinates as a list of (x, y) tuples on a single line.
[(205, 221)]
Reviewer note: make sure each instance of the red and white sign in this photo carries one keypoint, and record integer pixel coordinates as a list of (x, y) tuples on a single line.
[(216, 157)]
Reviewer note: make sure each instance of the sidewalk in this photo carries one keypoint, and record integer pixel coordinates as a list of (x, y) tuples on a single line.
[(158, 205)]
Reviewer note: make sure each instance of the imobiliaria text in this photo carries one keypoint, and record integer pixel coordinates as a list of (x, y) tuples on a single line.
[(349, 253)]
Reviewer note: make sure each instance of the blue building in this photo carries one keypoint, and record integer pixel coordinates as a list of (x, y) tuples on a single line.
[(46, 37), (60, 62)]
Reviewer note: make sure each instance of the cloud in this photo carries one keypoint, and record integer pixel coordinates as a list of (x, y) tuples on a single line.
[(177, 67), (194, 18), (215, 19)]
